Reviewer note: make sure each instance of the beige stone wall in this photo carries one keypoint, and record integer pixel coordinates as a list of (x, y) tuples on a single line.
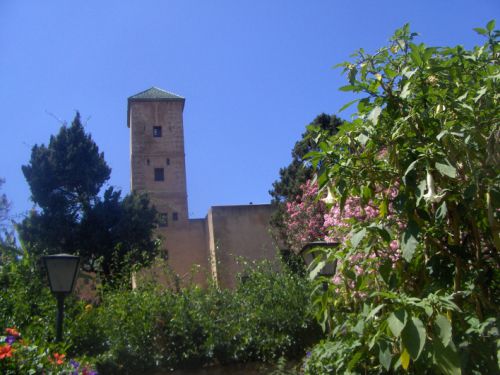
[(239, 231), (187, 251)]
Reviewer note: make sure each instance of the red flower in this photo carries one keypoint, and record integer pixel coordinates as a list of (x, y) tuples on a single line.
[(6, 351), (59, 358), (12, 332)]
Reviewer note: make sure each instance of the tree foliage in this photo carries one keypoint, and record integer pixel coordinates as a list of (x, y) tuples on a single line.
[(423, 154), (292, 178), (65, 179)]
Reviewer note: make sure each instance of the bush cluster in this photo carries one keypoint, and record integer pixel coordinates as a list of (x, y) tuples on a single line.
[(152, 328)]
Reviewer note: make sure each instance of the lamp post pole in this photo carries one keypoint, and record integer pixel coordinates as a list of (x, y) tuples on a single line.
[(59, 316), (62, 270)]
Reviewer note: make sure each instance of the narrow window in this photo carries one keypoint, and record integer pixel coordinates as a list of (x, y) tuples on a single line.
[(175, 216), (147, 161), (159, 174), (156, 131), (163, 220), (168, 161)]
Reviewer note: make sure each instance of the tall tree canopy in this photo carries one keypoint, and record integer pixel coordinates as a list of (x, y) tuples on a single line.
[(65, 179), (298, 172)]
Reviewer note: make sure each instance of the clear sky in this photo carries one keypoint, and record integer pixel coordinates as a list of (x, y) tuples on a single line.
[(254, 74)]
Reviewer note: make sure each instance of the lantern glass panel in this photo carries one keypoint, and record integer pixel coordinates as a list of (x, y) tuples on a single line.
[(62, 273)]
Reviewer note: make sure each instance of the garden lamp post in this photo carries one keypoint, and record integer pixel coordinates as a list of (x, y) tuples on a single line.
[(309, 255), (62, 270)]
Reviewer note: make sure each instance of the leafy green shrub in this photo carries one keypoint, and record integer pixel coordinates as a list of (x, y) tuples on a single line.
[(414, 180), (265, 318)]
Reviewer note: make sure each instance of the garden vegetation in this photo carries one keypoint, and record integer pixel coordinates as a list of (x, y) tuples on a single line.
[(410, 191)]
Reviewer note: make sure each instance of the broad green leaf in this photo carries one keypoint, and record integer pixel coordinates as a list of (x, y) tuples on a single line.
[(384, 355), (490, 25), (413, 336), (358, 237), (405, 359), (481, 31), (397, 321), (446, 358), (446, 170), (409, 240), (359, 327), (415, 54), (374, 114), (443, 328)]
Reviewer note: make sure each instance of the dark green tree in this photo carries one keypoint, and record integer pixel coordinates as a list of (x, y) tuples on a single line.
[(8, 248), (298, 171), (4, 211), (70, 216)]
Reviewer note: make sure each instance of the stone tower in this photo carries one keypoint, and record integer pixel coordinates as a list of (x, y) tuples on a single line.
[(157, 152), (195, 249)]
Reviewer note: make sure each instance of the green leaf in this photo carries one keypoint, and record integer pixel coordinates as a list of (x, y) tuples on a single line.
[(413, 337), (384, 355), (354, 360), (374, 114), (316, 269), (359, 327), (481, 31), (490, 25), (347, 88), (446, 170), (411, 167), (415, 54), (443, 328), (446, 358), (442, 134), (345, 106), (383, 208), (409, 240), (397, 321), (385, 271), (358, 237)]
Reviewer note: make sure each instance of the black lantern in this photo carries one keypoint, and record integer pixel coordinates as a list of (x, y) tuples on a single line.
[(309, 255), (62, 270)]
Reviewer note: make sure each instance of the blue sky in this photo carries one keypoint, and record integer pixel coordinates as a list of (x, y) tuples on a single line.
[(254, 74)]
